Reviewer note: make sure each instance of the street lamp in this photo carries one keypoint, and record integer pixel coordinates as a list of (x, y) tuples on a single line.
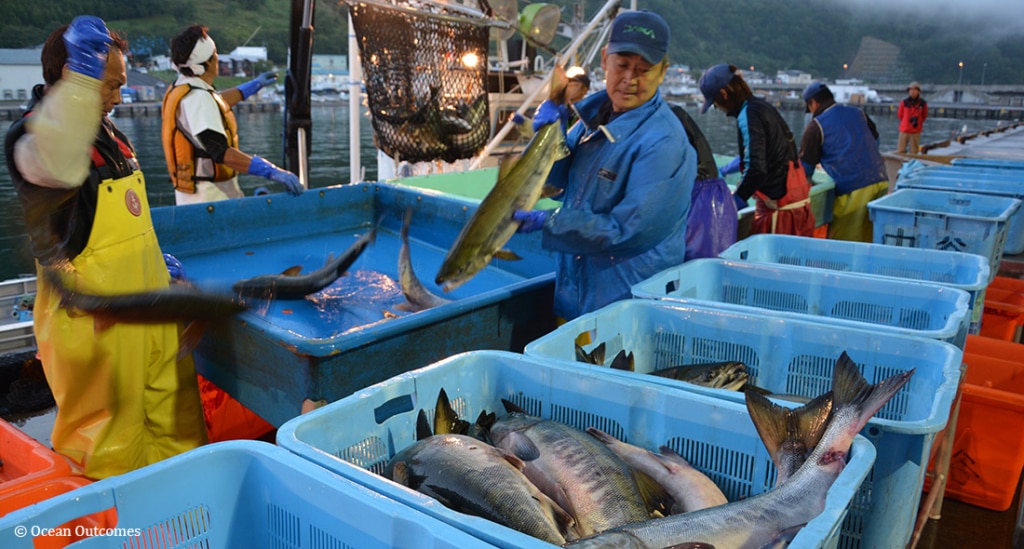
[(983, 67), (960, 83), (845, 67)]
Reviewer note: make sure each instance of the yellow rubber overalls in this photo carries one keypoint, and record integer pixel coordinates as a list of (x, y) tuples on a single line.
[(124, 400)]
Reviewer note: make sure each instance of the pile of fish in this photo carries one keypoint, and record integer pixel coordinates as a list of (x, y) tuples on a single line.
[(589, 490), (730, 375)]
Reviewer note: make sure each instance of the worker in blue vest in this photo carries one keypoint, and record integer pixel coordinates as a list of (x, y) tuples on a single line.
[(844, 141)]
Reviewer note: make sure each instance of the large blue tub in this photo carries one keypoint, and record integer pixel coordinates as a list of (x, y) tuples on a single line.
[(351, 334)]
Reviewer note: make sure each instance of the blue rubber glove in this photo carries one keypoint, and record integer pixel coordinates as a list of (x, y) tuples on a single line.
[(549, 112), (174, 267), (740, 203), (530, 220), (518, 118), (732, 167), (257, 84), (261, 168), (88, 42)]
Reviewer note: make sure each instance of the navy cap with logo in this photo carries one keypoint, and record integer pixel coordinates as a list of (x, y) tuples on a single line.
[(812, 89), (712, 81), (641, 32)]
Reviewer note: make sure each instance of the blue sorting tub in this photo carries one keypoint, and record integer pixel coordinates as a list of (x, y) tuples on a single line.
[(351, 334), (991, 182), (236, 494), (839, 298), (792, 357), (987, 163), (965, 271), (940, 220), (357, 435)]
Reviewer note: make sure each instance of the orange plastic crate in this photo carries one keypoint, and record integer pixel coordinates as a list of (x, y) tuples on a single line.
[(1003, 316), (988, 450), (69, 532), (25, 460)]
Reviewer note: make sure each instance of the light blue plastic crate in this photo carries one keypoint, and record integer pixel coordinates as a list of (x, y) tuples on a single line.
[(988, 163), (841, 299), (967, 272), (356, 435), (237, 494), (991, 182), (940, 220), (794, 357)]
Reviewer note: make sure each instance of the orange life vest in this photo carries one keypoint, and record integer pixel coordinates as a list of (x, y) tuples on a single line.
[(179, 151)]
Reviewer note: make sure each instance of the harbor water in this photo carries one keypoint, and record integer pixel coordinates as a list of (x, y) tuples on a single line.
[(261, 133)]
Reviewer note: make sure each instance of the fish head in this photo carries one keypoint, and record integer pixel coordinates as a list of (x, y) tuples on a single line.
[(455, 273)]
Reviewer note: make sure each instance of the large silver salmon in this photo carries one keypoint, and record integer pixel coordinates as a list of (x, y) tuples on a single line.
[(776, 515), (691, 489), (295, 286), (491, 226), (574, 469), (472, 477)]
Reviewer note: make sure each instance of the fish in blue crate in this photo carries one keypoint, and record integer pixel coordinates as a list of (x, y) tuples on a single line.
[(771, 518), (473, 477)]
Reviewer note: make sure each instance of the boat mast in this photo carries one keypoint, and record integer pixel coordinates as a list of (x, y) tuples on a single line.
[(297, 116)]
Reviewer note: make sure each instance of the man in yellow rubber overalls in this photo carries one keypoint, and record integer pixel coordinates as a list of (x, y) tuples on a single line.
[(124, 400)]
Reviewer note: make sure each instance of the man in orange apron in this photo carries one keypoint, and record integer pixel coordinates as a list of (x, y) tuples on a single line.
[(124, 400), (768, 155)]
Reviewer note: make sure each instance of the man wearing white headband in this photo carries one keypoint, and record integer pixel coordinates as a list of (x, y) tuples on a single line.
[(200, 133)]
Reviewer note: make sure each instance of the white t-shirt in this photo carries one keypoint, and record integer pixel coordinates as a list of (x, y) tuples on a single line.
[(197, 113)]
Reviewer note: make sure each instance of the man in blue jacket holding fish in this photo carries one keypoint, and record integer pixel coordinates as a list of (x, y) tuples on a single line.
[(627, 181)]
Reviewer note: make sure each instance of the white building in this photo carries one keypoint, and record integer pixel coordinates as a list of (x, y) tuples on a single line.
[(20, 69), (793, 77)]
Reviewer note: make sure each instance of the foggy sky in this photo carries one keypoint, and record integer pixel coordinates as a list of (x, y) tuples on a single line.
[(1001, 14)]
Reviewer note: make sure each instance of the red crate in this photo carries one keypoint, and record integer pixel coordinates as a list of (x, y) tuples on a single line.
[(988, 450), (69, 532), (1003, 316), (26, 461)]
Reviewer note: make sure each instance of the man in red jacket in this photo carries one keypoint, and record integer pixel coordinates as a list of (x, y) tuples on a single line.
[(912, 112)]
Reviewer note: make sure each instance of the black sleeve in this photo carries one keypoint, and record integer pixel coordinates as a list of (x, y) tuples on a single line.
[(810, 145), (707, 168), (215, 144), (871, 126)]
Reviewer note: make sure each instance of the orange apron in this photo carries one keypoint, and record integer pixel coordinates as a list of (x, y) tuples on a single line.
[(790, 214)]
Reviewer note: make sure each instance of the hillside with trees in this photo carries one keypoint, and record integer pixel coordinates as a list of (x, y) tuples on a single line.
[(817, 36)]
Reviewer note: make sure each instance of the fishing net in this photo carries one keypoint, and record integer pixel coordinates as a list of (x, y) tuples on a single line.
[(425, 76)]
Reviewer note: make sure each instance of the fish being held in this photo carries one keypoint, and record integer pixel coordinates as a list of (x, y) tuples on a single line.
[(691, 489), (179, 302), (575, 470), (519, 186), (418, 297), (775, 516), (290, 285)]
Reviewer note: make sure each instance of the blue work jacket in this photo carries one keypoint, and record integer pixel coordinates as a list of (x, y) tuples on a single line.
[(627, 197)]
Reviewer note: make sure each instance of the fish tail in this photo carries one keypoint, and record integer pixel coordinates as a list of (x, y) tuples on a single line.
[(851, 389)]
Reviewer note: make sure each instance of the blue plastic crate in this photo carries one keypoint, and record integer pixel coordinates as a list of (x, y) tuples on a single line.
[(988, 163), (991, 182), (967, 272), (790, 356), (842, 299), (236, 494), (356, 436), (939, 220)]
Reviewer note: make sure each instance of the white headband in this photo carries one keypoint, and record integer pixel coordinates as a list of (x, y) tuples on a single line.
[(201, 53)]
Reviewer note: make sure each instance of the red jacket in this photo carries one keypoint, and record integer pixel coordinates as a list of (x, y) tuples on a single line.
[(911, 111)]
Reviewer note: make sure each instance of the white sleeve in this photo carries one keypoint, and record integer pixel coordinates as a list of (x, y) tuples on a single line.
[(56, 150), (198, 112)]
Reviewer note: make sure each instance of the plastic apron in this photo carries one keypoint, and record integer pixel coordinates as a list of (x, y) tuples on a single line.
[(124, 400), (790, 214)]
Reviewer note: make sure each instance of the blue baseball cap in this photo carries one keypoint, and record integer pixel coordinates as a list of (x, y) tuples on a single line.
[(641, 32), (812, 89), (713, 80)]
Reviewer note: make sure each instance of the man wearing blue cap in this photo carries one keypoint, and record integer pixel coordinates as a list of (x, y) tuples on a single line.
[(845, 141), (768, 155), (627, 181)]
